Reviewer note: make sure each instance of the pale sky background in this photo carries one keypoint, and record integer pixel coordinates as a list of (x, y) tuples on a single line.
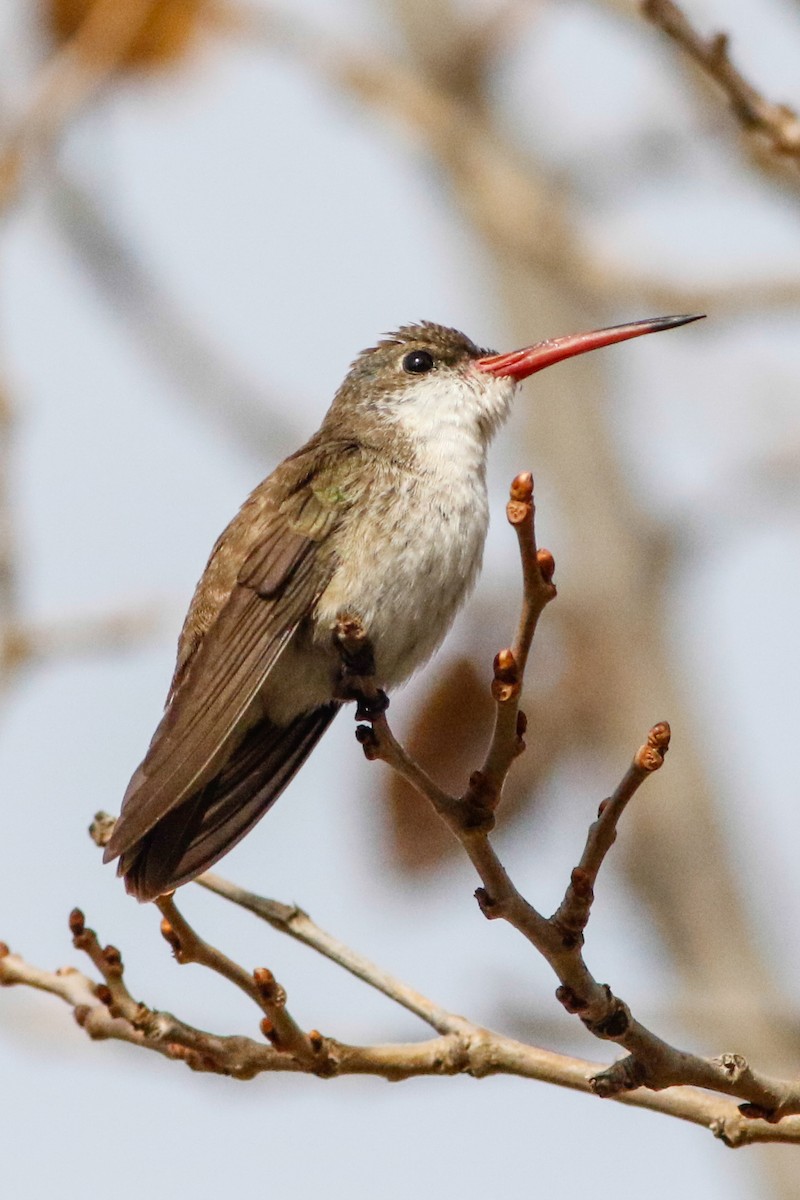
[(290, 229)]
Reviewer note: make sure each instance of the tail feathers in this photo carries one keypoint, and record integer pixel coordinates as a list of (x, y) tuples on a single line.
[(193, 836)]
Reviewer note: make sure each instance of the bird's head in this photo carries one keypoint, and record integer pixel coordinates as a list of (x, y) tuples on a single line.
[(424, 378)]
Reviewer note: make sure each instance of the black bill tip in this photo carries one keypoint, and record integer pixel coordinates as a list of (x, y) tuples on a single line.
[(656, 324)]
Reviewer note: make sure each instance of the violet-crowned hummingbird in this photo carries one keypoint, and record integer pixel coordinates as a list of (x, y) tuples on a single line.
[(382, 514)]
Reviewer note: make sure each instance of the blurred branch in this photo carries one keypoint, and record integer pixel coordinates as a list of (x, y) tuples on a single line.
[(69, 80), (108, 1010), (214, 386), (8, 577), (24, 644), (507, 196), (776, 127)]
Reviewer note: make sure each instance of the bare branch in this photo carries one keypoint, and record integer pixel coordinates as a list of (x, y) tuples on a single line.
[(777, 126), (295, 923), (291, 920), (106, 1010), (473, 811), (507, 195), (573, 914), (538, 568), (261, 986), (651, 1062)]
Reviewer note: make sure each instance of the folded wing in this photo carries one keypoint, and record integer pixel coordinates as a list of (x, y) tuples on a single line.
[(200, 758)]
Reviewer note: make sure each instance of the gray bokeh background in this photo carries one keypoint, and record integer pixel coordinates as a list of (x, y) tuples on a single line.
[(288, 227)]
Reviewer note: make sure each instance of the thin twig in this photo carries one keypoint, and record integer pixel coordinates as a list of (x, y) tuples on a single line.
[(473, 1050), (291, 920), (573, 913), (538, 590), (509, 197), (261, 986), (651, 1061), (777, 125)]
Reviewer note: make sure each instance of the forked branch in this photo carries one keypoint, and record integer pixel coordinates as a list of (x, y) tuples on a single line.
[(106, 1009), (651, 1062), (776, 125)]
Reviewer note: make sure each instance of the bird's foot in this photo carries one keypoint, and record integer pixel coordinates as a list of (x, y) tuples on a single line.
[(369, 708), (355, 648)]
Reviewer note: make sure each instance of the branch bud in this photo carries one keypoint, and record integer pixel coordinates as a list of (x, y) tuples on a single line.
[(81, 1013), (268, 987), (521, 488), (169, 935), (268, 1030), (77, 922), (488, 906), (112, 961), (659, 736), (368, 740), (570, 999), (505, 685), (582, 883), (650, 756), (520, 505), (547, 565)]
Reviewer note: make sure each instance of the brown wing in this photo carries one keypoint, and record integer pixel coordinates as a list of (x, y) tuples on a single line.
[(277, 584), (193, 836)]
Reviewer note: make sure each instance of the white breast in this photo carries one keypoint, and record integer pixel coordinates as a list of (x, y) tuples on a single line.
[(408, 571), (411, 558)]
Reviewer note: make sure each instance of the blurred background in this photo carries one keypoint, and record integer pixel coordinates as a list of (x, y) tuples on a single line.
[(207, 210)]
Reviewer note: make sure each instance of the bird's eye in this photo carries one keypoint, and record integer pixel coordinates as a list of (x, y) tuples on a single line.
[(418, 362)]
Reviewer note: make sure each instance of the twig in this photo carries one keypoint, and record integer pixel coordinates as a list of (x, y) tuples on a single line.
[(512, 202), (295, 923), (261, 986), (538, 590), (777, 124), (473, 811), (108, 961), (473, 1050), (291, 920), (573, 913), (463, 1046), (651, 1062)]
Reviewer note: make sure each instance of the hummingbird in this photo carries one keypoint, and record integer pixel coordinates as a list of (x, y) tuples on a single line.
[(382, 514)]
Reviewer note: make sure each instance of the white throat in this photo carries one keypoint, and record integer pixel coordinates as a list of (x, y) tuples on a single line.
[(450, 418)]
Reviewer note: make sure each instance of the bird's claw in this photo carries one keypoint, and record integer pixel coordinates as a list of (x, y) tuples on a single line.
[(369, 708)]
